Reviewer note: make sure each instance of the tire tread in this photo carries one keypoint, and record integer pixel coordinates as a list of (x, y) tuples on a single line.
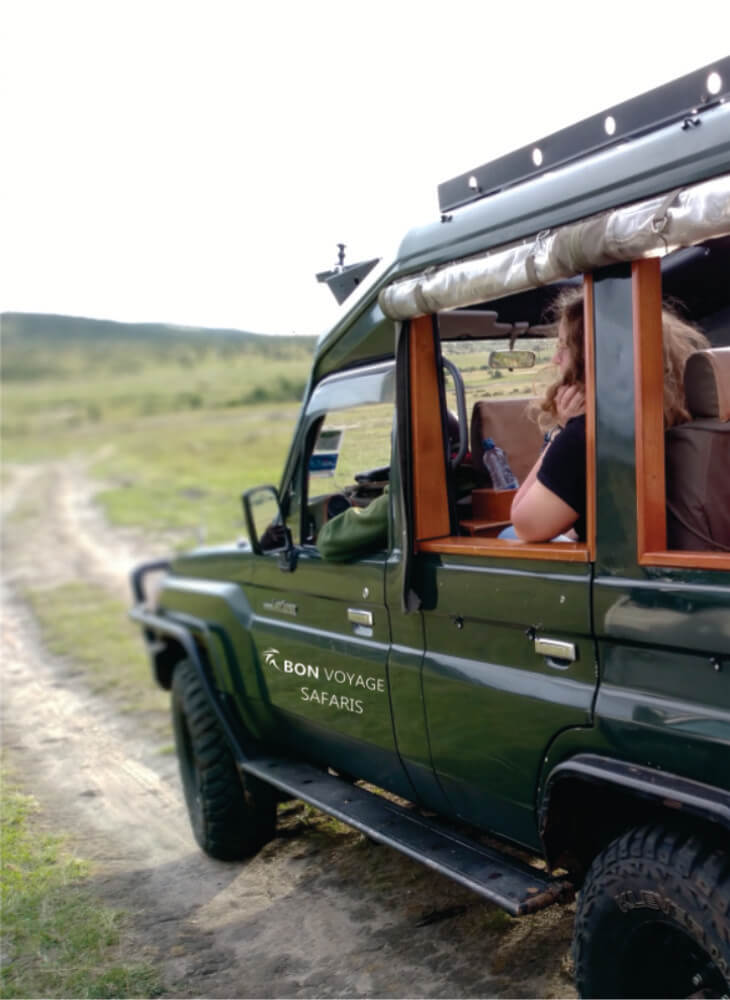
[(698, 872), (235, 816)]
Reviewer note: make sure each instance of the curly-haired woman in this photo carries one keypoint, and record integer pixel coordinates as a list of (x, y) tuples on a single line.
[(552, 499)]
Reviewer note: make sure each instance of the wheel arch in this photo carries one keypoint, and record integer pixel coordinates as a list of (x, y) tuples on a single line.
[(169, 642), (168, 653), (589, 800)]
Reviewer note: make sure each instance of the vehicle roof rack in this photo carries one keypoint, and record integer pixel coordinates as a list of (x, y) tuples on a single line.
[(680, 100)]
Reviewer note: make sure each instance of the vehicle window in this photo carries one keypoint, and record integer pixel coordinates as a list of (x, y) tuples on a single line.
[(500, 387), (482, 381), (349, 463), (683, 407), (466, 507), (348, 435)]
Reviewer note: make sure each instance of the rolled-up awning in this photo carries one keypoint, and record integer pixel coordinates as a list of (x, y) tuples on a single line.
[(650, 228)]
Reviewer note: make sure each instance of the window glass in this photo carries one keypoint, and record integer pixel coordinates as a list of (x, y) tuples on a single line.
[(351, 443), (349, 463), (349, 422), (482, 381)]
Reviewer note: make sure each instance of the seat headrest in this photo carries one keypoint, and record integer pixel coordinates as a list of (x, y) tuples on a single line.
[(707, 384)]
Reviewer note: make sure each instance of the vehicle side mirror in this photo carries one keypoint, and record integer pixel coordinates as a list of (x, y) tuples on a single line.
[(267, 530)]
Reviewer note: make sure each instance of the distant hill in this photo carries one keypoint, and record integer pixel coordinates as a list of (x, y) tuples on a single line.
[(37, 345)]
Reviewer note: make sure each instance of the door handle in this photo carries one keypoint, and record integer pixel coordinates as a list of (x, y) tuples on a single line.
[(556, 649), (358, 617)]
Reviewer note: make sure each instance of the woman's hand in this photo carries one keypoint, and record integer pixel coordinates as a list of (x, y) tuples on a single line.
[(570, 401)]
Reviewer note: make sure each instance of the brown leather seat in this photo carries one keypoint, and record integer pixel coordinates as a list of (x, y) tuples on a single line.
[(698, 458), (506, 421)]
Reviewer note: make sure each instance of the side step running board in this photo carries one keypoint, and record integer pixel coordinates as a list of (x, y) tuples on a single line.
[(506, 881)]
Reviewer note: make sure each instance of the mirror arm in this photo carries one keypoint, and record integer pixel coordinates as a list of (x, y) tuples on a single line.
[(289, 557)]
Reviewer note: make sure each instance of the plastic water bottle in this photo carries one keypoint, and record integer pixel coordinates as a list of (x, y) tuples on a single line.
[(496, 464)]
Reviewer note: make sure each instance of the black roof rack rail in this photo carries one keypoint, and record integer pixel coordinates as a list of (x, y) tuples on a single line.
[(680, 100)]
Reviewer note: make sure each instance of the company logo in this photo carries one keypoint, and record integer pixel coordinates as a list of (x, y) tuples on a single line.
[(289, 666), (333, 677), (270, 658)]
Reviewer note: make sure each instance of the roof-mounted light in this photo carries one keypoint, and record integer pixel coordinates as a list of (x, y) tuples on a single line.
[(714, 83), (680, 101)]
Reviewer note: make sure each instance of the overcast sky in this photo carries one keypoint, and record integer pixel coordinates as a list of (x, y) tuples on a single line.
[(197, 162)]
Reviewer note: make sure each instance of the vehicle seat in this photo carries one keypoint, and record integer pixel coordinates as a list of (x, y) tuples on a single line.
[(698, 458), (506, 421)]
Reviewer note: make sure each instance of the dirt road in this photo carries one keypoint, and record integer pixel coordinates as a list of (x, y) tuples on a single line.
[(318, 913)]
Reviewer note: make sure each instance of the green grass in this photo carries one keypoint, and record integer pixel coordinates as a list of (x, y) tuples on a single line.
[(182, 471), (79, 387), (62, 404), (36, 346), (177, 427), (186, 472), (58, 940), (83, 622)]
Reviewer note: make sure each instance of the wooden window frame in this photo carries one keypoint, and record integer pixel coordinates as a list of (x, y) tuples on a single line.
[(430, 495), (651, 502)]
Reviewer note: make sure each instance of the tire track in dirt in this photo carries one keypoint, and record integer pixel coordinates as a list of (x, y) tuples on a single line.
[(317, 915), (70, 538)]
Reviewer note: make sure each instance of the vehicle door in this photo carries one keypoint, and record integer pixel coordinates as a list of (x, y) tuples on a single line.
[(508, 650), (321, 629)]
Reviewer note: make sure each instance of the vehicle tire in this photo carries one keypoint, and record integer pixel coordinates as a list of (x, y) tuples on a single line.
[(232, 816), (653, 918)]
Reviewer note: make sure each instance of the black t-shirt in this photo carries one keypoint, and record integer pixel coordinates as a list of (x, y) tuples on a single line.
[(563, 470)]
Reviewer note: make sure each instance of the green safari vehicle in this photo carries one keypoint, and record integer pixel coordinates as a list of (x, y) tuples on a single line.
[(570, 699)]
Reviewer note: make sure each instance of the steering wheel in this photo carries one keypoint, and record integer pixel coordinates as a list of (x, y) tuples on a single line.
[(336, 504)]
